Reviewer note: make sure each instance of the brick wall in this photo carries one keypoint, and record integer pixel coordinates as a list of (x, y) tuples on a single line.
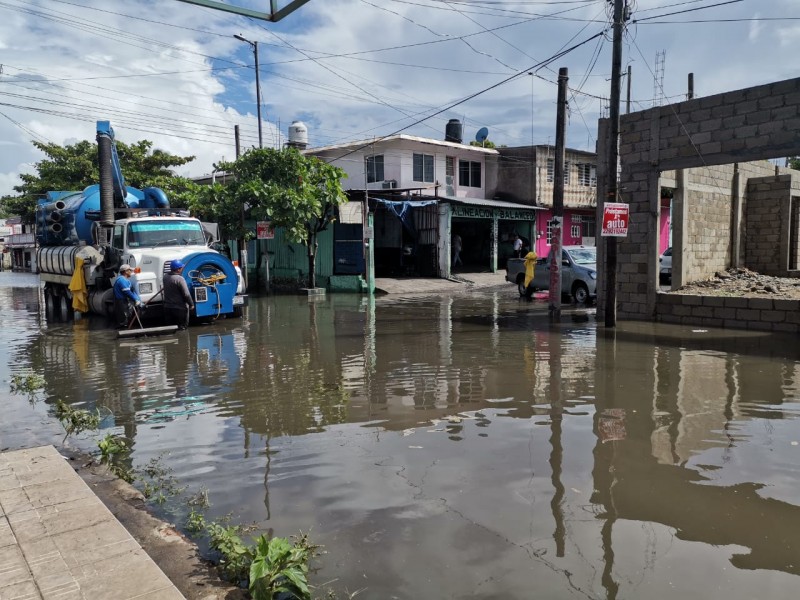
[(761, 314)]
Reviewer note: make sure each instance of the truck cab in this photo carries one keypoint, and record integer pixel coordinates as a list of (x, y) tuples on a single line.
[(149, 244)]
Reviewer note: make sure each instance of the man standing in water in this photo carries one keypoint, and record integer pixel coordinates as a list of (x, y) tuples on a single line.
[(125, 298), (177, 299)]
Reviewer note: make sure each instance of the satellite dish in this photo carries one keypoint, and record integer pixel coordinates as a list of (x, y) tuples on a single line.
[(482, 134)]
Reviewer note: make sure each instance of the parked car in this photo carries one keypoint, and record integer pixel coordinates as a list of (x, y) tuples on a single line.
[(578, 274), (665, 266)]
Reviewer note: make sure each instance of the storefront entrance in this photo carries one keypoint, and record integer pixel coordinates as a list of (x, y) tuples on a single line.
[(476, 244)]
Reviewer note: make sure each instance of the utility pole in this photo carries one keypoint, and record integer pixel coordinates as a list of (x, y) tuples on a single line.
[(690, 93), (558, 198), (238, 144), (254, 46), (628, 102), (620, 10)]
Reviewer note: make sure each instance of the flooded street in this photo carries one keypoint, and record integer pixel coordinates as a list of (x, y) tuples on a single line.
[(452, 446)]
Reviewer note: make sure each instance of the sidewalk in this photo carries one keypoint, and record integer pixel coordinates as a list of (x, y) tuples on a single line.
[(459, 282), (59, 541)]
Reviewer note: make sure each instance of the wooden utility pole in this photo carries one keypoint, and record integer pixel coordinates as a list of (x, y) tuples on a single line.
[(613, 160), (558, 198)]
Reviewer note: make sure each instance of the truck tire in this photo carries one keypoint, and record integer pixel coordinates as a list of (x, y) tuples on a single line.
[(580, 293), (525, 292)]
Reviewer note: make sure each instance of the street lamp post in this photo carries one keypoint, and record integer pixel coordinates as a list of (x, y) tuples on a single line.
[(254, 46)]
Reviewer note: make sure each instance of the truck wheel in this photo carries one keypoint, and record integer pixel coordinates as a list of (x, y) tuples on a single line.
[(49, 305), (64, 309), (525, 292), (580, 292)]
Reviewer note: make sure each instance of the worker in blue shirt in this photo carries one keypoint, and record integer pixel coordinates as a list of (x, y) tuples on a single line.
[(125, 297)]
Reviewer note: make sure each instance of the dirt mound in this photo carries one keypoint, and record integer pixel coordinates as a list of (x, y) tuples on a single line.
[(744, 282)]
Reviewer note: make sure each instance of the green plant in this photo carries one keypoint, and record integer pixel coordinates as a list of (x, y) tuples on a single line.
[(26, 384), (235, 555), (281, 567), (76, 420), (195, 521), (111, 449), (158, 483)]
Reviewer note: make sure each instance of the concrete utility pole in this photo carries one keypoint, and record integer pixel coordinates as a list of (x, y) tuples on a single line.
[(628, 101), (558, 198), (254, 46), (620, 11), (238, 143), (690, 93)]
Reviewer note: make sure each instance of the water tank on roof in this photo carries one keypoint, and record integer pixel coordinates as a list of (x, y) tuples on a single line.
[(453, 131), (298, 135)]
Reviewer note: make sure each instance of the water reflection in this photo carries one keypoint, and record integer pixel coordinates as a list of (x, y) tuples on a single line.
[(461, 446)]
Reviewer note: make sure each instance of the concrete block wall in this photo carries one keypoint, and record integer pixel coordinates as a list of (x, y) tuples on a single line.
[(761, 314), (734, 127), (766, 213)]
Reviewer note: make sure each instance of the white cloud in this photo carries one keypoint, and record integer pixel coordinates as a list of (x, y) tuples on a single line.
[(64, 70)]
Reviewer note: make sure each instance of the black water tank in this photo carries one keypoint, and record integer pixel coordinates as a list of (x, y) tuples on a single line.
[(453, 131)]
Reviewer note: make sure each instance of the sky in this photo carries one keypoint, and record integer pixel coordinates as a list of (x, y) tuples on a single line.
[(172, 72)]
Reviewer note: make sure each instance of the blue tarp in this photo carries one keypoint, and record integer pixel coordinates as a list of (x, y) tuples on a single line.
[(403, 210)]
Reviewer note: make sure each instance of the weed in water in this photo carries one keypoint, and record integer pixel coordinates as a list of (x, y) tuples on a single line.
[(76, 420), (235, 555), (195, 522), (112, 450), (158, 483), (200, 499), (29, 384), (281, 567)]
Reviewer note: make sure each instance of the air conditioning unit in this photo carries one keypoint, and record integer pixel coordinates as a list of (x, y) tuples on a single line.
[(390, 184)]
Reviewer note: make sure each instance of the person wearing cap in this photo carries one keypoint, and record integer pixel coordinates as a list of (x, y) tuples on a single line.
[(125, 297), (177, 299)]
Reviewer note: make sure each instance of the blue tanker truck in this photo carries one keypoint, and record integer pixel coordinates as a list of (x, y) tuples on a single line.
[(83, 238)]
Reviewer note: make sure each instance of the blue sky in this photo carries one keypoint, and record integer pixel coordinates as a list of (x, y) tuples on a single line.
[(354, 69)]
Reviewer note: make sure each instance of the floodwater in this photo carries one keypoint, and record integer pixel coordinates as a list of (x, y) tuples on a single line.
[(453, 446)]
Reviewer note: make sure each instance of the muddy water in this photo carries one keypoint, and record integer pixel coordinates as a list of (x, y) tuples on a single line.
[(455, 446)]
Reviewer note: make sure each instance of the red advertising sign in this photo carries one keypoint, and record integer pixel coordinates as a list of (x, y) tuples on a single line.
[(615, 219), (264, 230)]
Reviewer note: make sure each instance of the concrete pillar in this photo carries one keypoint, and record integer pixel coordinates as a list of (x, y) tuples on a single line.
[(653, 235), (736, 218), (493, 251), (680, 224), (445, 237)]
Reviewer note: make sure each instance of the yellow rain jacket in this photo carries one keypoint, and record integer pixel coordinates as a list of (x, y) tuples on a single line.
[(530, 266), (77, 285)]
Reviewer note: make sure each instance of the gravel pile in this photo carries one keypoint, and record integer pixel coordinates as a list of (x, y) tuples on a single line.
[(744, 282)]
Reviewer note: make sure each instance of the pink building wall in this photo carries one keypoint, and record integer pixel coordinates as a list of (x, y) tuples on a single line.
[(542, 247), (663, 225)]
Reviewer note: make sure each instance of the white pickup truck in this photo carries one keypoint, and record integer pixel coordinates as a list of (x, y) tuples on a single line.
[(578, 274)]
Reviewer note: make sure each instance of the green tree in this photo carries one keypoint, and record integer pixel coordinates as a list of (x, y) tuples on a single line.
[(296, 192), (75, 166), (485, 144), (794, 162)]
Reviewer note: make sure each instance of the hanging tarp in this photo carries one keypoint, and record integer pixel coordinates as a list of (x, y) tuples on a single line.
[(404, 210)]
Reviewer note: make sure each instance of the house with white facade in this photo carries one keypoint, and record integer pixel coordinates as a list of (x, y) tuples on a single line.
[(415, 196)]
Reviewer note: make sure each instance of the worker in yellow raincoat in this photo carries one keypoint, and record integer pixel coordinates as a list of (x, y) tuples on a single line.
[(530, 267), (77, 285)]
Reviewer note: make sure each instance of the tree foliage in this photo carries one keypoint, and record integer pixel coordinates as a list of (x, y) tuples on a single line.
[(74, 167), (794, 162), (484, 144), (295, 192)]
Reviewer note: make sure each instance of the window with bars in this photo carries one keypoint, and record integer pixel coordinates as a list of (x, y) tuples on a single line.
[(587, 175), (551, 169), (469, 173), (423, 167), (550, 226), (575, 231), (374, 167), (589, 225)]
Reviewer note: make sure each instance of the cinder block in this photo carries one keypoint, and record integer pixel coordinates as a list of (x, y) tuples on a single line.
[(760, 303), (682, 311), (744, 314), (734, 324), (773, 316), (759, 325), (790, 327), (703, 311), (787, 305), (691, 300), (725, 313)]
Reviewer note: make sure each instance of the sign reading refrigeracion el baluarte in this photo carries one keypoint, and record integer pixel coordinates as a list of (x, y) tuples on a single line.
[(483, 212)]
